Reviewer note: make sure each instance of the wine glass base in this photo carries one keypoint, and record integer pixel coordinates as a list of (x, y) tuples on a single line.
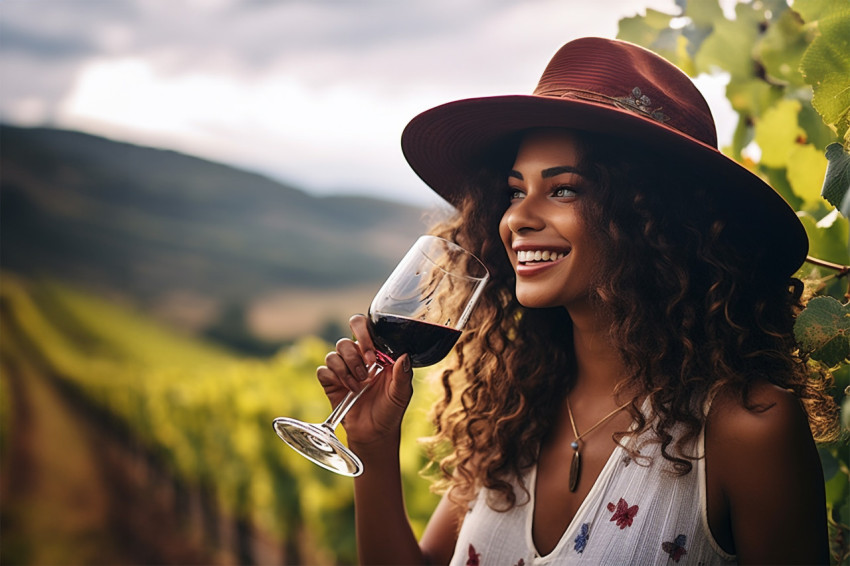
[(318, 444)]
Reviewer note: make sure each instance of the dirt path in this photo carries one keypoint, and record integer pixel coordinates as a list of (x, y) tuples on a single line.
[(68, 496)]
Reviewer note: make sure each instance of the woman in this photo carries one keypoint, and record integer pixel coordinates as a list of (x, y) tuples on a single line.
[(630, 391)]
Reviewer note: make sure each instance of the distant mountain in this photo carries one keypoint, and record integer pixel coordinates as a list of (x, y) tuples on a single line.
[(144, 223)]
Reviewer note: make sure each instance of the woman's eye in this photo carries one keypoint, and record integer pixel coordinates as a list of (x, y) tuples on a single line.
[(515, 194), (563, 192)]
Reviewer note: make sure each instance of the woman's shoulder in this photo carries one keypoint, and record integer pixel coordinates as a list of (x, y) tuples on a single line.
[(766, 435), (768, 414), (764, 478)]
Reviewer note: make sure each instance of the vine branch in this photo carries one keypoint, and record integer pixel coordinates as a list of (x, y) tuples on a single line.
[(842, 270)]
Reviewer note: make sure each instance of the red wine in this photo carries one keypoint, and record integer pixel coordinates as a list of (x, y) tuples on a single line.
[(424, 342)]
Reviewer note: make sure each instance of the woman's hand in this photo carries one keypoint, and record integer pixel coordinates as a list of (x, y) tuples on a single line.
[(377, 415)]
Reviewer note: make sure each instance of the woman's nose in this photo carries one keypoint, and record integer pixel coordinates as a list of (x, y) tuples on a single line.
[(524, 215)]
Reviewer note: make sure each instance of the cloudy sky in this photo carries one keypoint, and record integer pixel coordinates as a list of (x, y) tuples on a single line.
[(311, 92)]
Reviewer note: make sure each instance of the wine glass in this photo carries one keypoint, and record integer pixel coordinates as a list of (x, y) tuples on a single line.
[(420, 310)]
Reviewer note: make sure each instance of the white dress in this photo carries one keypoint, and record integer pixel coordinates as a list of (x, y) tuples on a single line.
[(637, 512)]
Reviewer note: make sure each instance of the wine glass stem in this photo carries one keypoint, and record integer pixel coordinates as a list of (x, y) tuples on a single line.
[(351, 397)]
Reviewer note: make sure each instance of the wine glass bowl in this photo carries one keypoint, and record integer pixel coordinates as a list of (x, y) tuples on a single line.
[(420, 310)]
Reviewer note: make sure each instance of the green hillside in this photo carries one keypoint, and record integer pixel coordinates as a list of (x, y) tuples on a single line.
[(140, 224)]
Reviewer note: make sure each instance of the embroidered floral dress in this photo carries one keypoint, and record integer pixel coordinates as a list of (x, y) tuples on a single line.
[(637, 512)]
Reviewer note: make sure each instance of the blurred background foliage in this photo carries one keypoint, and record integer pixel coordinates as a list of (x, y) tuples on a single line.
[(197, 412), (102, 240)]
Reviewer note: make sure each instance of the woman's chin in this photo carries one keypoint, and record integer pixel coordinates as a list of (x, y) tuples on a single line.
[(536, 300)]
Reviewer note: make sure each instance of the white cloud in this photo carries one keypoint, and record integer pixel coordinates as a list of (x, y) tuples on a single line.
[(332, 138)]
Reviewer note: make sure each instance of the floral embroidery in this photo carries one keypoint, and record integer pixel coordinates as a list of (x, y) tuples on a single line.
[(640, 103), (581, 539), (623, 514), (676, 548), (474, 557)]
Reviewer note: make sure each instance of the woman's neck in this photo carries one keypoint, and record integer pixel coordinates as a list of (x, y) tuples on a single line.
[(599, 367)]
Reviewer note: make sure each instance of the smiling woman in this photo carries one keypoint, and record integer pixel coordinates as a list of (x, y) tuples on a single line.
[(631, 390)]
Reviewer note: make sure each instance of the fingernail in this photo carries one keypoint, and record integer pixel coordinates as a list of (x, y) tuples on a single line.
[(361, 373), (405, 364)]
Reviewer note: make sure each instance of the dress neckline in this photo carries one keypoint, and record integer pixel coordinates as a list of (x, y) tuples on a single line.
[(567, 535)]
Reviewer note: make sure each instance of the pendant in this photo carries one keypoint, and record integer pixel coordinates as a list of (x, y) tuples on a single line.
[(575, 470)]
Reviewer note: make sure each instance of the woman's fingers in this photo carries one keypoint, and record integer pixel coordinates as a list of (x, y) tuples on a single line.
[(347, 368), (401, 386), (329, 380), (351, 357), (360, 327)]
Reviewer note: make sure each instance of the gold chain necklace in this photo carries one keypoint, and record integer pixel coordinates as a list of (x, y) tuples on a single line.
[(575, 466)]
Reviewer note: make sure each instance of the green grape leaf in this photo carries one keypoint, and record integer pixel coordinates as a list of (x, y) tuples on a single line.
[(829, 463), (827, 242), (778, 179), (702, 13), (836, 490), (826, 66), (813, 10), (729, 47), (741, 138), (777, 133), (772, 10), (752, 96), (806, 170), (836, 183), (817, 132), (845, 422), (702, 17), (823, 330), (781, 48), (644, 30), (653, 31)]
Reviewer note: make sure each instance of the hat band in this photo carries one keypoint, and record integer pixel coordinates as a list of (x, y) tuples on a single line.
[(637, 102)]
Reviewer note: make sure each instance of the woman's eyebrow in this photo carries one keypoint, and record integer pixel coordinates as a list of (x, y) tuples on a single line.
[(555, 171), (551, 172)]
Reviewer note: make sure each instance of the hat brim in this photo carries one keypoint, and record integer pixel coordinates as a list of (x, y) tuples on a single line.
[(447, 145)]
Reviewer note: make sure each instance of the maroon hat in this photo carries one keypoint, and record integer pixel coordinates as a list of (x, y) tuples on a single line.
[(617, 88)]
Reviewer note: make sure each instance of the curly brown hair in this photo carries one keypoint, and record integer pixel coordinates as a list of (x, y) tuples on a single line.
[(693, 311)]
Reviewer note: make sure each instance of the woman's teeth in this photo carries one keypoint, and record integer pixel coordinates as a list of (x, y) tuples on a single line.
[(526, 256)]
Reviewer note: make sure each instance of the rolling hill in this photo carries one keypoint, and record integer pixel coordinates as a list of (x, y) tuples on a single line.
[(164, 231)]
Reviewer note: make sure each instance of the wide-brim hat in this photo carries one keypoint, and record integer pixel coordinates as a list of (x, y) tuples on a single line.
[(618, 88)]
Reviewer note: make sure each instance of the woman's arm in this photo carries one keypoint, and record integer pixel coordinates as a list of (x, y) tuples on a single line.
[(765, 482), (440, 537), (384, 535), (373, 427)]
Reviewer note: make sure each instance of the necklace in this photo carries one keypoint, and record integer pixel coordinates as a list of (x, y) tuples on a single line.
[(575, 466)]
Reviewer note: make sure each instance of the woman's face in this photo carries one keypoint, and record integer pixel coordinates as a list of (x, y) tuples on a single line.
[(547, 241)]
